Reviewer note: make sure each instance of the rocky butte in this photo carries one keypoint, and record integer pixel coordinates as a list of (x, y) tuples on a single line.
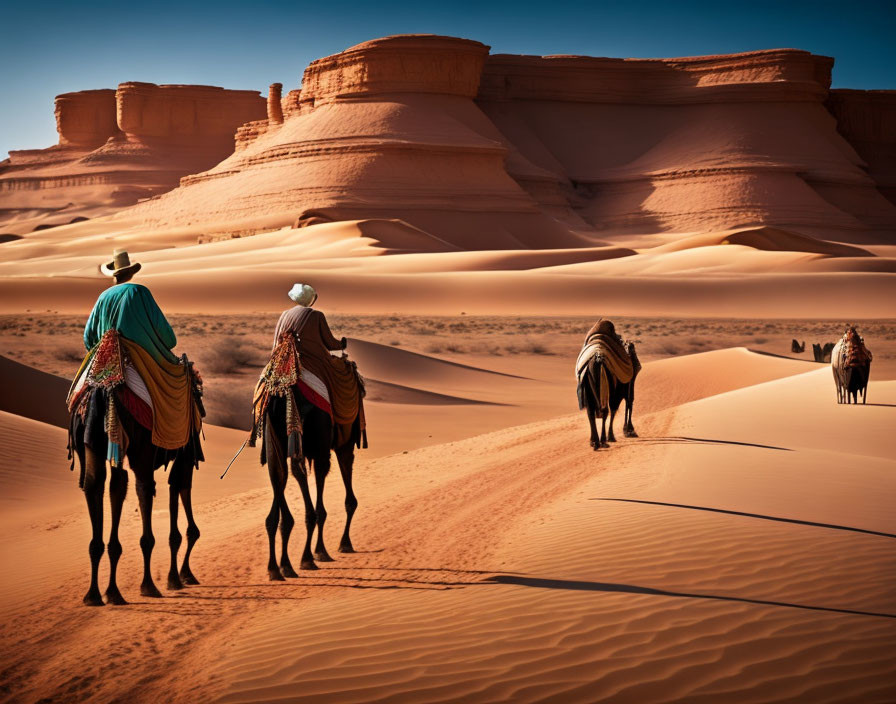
[(118, 146), (502, 152)]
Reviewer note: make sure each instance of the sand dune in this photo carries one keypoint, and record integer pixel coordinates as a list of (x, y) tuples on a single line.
[(731, 552), (771, 239)]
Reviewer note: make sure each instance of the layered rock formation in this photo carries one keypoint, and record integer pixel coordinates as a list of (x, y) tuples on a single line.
[(491, 152), (386, 129), (508, 151), (117, 146), (867, 119), (685, 145)]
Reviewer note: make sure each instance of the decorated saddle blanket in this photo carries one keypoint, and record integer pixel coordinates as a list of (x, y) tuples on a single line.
[(278, 378), (850, 352), (161, 395), (614, 357)]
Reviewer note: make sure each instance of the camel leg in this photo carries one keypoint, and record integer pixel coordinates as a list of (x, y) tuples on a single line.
[(286, 525), (321, 469), (186, 496), (595, 439), (628, 429), (611, 436), (346, 458), (118, 485), (276, 459), (94, 486), (174, 538), (146, 489), (298, 471), (603, 429)]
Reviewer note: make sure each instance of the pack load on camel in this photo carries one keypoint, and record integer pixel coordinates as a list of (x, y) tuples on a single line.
[(307, 403), (133, 399), (851, 365), (606, 369)]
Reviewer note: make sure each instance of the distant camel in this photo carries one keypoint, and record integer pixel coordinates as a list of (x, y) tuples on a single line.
[(851, 365), (318, 436), (89, 441), (822, 353), (796, 347), (614, 359)]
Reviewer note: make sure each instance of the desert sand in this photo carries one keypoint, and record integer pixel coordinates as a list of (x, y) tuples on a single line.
[(738, 549), (466, 217)]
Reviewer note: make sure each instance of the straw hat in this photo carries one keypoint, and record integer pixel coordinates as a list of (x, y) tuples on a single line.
[(303, 295), (120, 264)]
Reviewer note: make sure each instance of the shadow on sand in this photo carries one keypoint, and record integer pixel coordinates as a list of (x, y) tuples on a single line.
[(832, 526), (680, 439), (634, 589)]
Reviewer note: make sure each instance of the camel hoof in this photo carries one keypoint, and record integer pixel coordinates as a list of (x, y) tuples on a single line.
[(631, 434), (308, 565), (114, 597), (93, 598), (150, 589), (323, 556), (174, 582), (346, 547), (275, 575), (187, 577), (288, 571), (603, 444)]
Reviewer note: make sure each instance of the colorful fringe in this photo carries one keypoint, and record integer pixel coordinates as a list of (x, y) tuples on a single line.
[(277, 379)]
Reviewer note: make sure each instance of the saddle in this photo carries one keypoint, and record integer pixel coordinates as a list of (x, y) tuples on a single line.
[(277, 379)]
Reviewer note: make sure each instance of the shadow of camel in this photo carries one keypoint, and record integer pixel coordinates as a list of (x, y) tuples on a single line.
[(634, 589), (832, 526), (674, 439)]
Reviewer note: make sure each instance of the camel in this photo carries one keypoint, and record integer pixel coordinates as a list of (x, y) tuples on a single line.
[(796, 347), (822, 353), (590, 391), (851, 366), (143, 458), (318, 439)]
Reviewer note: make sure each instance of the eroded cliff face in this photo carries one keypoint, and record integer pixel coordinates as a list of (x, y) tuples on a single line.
[(684, 145), (118, 146), (508, 151), (385, 129), (867, 120), (495, 151)]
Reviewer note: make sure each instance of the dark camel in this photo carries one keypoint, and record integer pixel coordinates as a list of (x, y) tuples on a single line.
[(317, 442), (618, 392), (140, 454)]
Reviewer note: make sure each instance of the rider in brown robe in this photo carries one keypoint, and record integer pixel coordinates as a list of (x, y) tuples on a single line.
[(315, 341)]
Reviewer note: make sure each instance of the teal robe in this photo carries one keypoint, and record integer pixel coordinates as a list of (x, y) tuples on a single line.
[(131, 309)]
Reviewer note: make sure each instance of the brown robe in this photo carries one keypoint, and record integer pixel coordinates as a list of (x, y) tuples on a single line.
[(314, 341)]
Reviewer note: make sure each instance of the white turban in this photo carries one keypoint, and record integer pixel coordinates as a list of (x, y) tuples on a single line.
[(303, 294)]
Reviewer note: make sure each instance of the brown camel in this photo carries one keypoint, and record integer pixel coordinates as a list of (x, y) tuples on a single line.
[(318, 439), (851, 365), (604, 402)]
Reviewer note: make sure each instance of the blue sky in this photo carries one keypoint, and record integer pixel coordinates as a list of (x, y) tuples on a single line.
[(56, 47)]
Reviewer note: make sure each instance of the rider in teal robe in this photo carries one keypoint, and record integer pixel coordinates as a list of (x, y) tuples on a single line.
[(131, 309)]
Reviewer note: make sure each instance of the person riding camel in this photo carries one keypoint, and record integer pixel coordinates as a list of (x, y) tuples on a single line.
[(156, 388), (314, 342), (133, 399)]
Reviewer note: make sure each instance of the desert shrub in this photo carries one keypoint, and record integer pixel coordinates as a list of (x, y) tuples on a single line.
[(229, 356), (70, 354)]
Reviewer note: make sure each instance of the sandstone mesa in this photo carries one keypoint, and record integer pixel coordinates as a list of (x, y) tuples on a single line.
[(481, 151)]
